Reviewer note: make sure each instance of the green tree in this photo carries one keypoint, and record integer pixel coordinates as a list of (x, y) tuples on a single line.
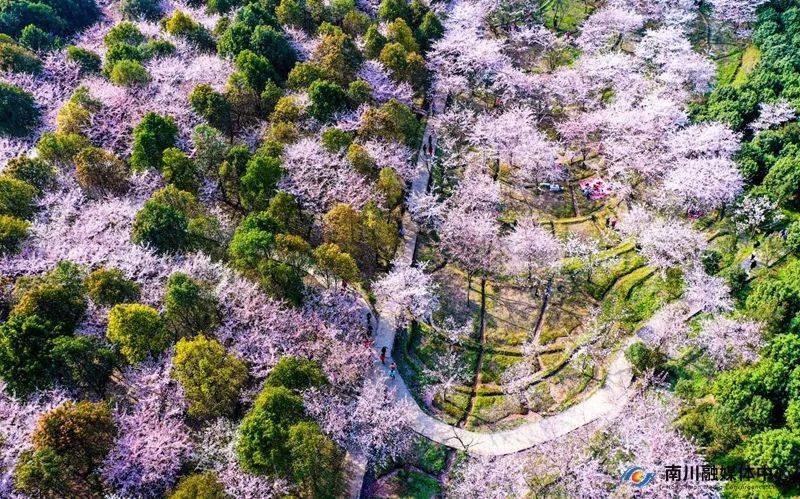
[(59, 297), (335, 140), (304, 74), (285, 209), (127, 73), (100, 172), (210, 149), (82, 433), (82, 363), (254, 240), (256, 69), (335, 265), (34, 171), (35, 38), (295, 373), (16, 59), (317, 462), (199, 486), (338, 56), (392, 121), (162, 227), (211, 105), (776, 449), (391, 186), (264, 432), (151, 137), (181, 25), (294, 13), (107, 287), (398, 32), (783, 179), (389, 10), (19, 114), (140, 9), (430, 29), (60, 149), (326, 98), (258, 183), (138, 331), (88, 61), (271, 44), (374, 42), (190, 307), (179, 170), (12, 232), (211, 377), (25, 363), (124, 32)]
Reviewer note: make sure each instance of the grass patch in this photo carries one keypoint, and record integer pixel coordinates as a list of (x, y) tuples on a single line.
[(414, 484)]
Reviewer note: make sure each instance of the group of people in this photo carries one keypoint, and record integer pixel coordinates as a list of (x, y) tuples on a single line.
[(369, 342)]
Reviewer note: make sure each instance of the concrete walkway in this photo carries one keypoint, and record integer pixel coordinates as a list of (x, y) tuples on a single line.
[(605, 402)]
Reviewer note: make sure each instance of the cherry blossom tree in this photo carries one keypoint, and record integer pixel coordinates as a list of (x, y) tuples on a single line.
[(374, 423), (493, 478), (406, 293), (18, 420), (384, 88), (665, 242), (729, 342), (707, 293), (608, 28), (320, 179), (531, 250), (773, 114), (703, 184), (153, 440)]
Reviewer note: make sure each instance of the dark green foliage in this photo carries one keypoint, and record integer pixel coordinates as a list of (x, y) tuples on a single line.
[(264, 432), (430, 29), (151, 137), (173, 220), (270, 97), (393, 120), (25, 343), (231, 171), (179, 170), (82, 363), (304, 74), (189, 306), (271, 44), (181, 25), (776, 449), (783, 179), (254, 240), (359, 92), (34, 171), (256, 69), (326, 98), (211, 105), (59, 149), (140, 9), (19, 113), (89, 61), (100, 173), (70, 442), (124, 33), (199, 486), (41, 473), (157, 48), (374, 42), (259, 181), (12, 232), (14, 58), (128, 73), (119, 53), (107, 287), (222, 6), (296, 374), (35, 38), (282, 280), (793, 237), (285, 209), (317, 462), (58, 303), (163, 227), (389, 10), (58, 17), (294, 13), (335, 140), (644, 359)]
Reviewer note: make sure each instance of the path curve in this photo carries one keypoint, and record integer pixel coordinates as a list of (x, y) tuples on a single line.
[(606, 402)]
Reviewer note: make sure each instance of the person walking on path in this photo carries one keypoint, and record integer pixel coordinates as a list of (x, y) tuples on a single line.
[(383, 355), (392, 369)]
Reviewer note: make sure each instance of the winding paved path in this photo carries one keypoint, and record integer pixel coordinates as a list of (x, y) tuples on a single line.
[(605, 402)]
